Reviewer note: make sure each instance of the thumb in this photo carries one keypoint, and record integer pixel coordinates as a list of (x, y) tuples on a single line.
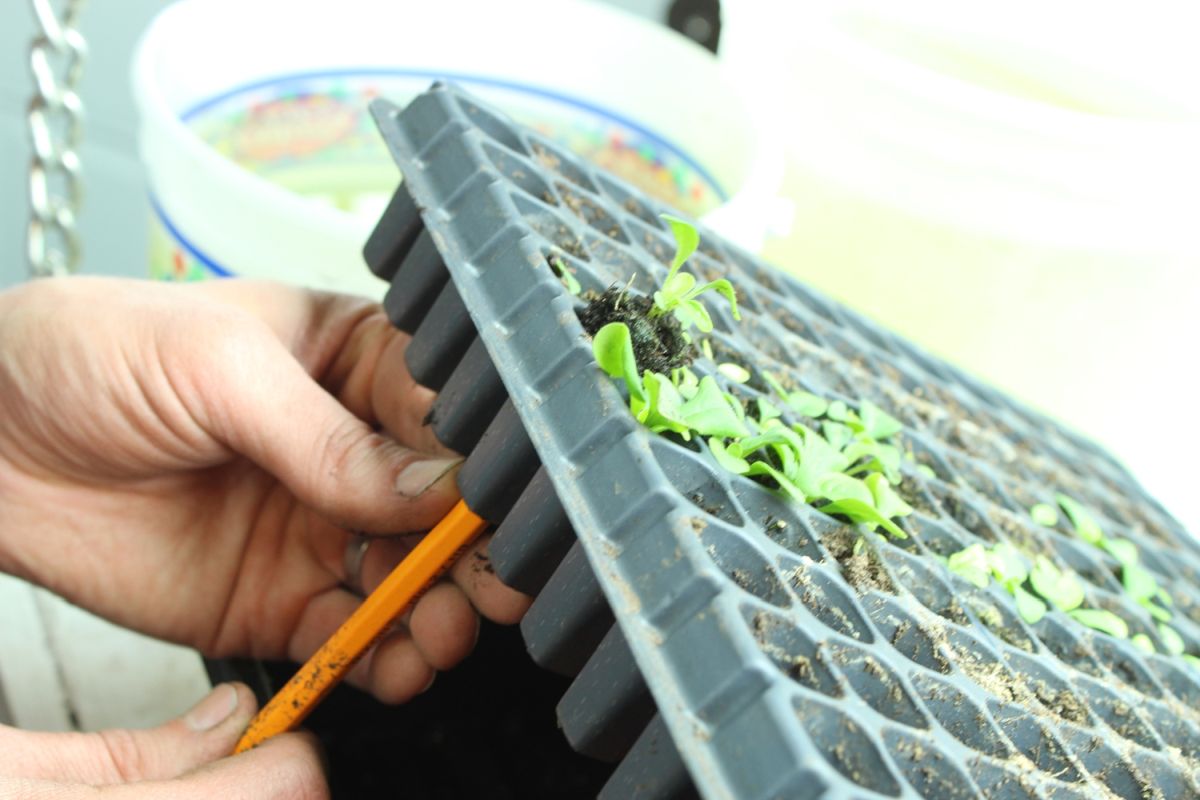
[(272, 411), (207, 732)]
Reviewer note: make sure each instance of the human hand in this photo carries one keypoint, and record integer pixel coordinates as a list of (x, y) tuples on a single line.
[(184, 759), (187, 461)]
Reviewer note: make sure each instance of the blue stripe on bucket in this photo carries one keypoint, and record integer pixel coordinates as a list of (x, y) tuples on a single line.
[(461, 77), (195, 252)]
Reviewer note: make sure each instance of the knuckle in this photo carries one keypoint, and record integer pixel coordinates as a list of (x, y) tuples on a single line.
[(121, 754), (337, 451)]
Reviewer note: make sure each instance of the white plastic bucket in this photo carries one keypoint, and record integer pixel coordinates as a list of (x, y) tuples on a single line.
[(241, 98), (1016, 185)]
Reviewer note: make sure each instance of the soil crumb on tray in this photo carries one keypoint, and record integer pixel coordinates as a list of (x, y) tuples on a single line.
[(658, 343)]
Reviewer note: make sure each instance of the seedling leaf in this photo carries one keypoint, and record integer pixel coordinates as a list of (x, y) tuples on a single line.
[(613, 347), (971, 564), (1144, 643), (785, 483), (889, 503), (1061, 589), (1139, 583), (837, 434), (806, 404), (1171, 640), (709, 413), (767, 410), (877, 423), (1008, 566), (687, 239), (1099, 619), (1044, 514), (1085, 526), (723, 287), (1029, 607), (1123, 550), (738, 466), (734, 372), (858, 511)]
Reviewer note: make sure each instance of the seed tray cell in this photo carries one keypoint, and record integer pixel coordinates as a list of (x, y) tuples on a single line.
[(726, 642)]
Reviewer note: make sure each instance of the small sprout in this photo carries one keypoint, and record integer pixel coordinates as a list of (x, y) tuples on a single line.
[(971, 564), (734, 372), (1123, 550), (1139, 584), (613, 348), (877, 423), (565, 275), (889, 503), (706, 349), (873, 503), (840, 412), (685, 381), (679, 291), (1144, 643), (926, 471), (767, 411), (1171, 639), (1059, 588), (734, 464), (1008, 566), (1044, 514), (806, 404), (837, 434), (1029, 606), (1085, 526), (1101, 620), (711, 414), (1192, 661), (1158, 612)]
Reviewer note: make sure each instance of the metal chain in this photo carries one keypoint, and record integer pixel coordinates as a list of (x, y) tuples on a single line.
[(55, 118)]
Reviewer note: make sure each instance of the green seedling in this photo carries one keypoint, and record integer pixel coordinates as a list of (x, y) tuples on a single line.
[(767, 410), (679, 291), (1144, 643), (613, 348), (1086, 527), (1171, 639), (1058, 587), (876, 507), (565, 275), (877, 423), (1123, 550), (1029, 606), (1004, 563), (972, 564), (1044, 514), (806, 404), (1101, 620), (734, 372), (926, 471), (685, 382), (1008, 566)]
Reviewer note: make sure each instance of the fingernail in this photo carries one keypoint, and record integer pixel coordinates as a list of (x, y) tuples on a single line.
[(214, 709), (417, 477)]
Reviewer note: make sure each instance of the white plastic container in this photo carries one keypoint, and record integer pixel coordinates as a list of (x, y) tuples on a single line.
[(585, 73), (1016, 185)]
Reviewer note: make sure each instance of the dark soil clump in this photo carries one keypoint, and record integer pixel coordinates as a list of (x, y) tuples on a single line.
[(658, 343)]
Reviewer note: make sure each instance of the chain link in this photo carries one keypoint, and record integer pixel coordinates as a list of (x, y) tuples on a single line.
[(55, 119)]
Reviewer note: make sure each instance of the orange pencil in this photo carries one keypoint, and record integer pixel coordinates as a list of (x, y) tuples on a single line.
[(433, 556)]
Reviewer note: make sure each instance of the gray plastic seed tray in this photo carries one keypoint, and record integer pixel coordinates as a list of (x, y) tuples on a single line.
[(782, 662)]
